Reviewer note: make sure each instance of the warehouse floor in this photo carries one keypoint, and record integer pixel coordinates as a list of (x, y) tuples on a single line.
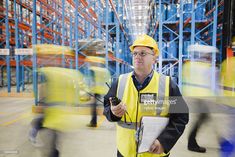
[(16, 115)]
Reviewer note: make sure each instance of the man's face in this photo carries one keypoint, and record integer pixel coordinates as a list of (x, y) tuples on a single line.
[(143, 58)]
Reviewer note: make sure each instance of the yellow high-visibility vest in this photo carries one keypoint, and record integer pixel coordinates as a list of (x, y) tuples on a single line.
[(63, 86), (137, 106), (101, 76), (227, 82), (197, 79)]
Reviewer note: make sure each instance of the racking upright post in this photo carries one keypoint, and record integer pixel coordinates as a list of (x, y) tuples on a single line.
[(122, 39), (76, 35), (192, 27), (99, 19), (71, 29), (180, 65), (160, 37), (8, 47), (117, 39), (106, 32), (41, 22), (17, 57), (34, 42), (88, 29), (214, 39), (63, 31), (87, 24)]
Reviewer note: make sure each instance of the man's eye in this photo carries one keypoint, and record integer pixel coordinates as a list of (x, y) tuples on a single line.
[(142, 53)]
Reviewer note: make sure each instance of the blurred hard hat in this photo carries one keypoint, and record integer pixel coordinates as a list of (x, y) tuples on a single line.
[(203, 49), (145, 40)]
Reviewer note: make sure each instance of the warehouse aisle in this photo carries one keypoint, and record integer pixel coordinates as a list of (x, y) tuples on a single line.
[(15, 121)]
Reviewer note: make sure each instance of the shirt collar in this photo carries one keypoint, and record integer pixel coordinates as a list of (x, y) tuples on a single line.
[(148, 76)]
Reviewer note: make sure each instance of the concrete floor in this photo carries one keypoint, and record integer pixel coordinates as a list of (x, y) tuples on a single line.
[(16, 115)]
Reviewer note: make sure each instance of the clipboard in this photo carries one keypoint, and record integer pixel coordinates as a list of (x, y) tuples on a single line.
[(150, 128)]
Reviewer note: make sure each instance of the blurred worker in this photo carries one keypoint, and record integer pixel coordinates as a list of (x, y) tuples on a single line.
[(99, 77), (63, 90), (197, 87), (227, 83), (136, 87)]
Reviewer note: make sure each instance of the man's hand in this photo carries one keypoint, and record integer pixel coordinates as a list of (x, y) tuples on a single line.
[(118, 110), (156, 147)]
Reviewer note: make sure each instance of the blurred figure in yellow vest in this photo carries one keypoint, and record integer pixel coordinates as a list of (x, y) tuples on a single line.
[(227, 84), (63, 89), (197, 88), (100, 77)]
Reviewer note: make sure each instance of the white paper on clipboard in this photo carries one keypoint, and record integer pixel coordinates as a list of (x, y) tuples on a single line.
[(150, 129)]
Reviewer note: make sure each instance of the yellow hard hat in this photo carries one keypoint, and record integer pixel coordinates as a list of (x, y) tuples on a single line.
[(145, 40)]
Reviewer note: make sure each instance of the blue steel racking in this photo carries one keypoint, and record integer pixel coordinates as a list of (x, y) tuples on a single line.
[(116, 25), (27, 23), (5, 26), (191, 22)]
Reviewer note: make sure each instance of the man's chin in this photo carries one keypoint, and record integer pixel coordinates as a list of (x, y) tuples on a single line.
[(139, 67)]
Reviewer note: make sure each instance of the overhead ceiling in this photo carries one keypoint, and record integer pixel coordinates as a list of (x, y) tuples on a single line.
[(136, 16)]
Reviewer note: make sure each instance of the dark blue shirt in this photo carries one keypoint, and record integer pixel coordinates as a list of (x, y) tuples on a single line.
[(138, 85)]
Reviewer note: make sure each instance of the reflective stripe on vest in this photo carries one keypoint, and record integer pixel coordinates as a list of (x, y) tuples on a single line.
[(122, 85), (161, 95), (232, 89), (127, 125)]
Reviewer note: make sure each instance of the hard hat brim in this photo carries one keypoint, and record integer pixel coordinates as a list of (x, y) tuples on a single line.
[(133, 46)]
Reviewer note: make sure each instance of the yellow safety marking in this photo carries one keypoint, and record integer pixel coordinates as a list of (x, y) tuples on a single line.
[(22, 116), (17, 95), (102, 118)]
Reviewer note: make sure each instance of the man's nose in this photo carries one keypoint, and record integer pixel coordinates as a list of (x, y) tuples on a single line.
[(138, 55)]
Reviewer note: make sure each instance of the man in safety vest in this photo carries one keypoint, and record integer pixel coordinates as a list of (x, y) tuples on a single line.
[(198, 88), (99, 76), (136, 88), (227, 84)]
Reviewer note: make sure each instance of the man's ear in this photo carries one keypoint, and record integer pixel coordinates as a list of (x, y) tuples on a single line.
[(155, 59)]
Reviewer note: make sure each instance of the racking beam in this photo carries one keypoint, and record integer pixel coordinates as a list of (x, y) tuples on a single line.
[(85, 4), (86, 17)]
